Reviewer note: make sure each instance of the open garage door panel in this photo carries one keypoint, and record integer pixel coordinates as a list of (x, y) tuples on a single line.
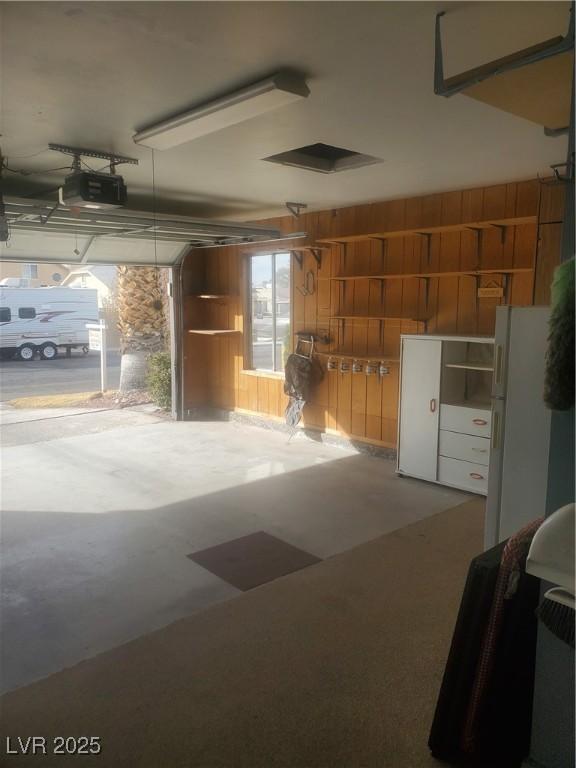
[(40, 232), (534, 83), (57, 248)]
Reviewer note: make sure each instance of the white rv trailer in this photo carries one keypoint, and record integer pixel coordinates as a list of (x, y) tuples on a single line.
[(42, 320)]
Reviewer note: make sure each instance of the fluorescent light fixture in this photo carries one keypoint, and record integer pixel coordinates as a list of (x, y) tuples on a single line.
[(249, 102)]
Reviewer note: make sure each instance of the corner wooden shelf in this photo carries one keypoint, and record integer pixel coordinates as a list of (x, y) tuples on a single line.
[(213, 332), (427, 275), (476, 226), (209, 296)]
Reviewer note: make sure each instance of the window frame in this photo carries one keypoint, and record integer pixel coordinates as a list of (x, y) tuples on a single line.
[(30, 271), (249, 350), (26, 317)]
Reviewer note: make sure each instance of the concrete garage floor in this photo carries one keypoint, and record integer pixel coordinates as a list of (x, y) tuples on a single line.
[(101, 510)]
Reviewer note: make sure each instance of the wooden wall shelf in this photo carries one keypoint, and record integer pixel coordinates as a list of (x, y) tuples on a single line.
[(369, 280), (379, 317), (426, 275), (213, 332), (476, 226), (306, 248)]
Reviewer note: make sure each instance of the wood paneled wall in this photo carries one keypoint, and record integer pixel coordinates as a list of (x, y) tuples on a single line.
[(355, 405)]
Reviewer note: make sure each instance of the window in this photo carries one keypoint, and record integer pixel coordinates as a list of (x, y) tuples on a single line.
[(30, 271), (5, 315), (270, 310), (26, 313)]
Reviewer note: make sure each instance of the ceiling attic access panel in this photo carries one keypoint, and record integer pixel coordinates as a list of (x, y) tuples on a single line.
[(323, 158)]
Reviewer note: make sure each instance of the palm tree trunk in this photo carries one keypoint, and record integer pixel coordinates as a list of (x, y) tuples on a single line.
[(142, 323)]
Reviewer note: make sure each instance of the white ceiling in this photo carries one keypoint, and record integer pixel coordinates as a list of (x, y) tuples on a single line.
[(92, 73)]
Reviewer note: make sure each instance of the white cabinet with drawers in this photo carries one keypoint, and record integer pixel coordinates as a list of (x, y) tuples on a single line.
[(463, 474), (466, 420), (456, 445), (445, 418)]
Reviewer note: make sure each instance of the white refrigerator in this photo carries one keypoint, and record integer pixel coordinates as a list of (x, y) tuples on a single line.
[(518, 473)]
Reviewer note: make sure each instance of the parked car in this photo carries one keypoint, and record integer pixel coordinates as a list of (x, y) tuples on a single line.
[(42, 321)]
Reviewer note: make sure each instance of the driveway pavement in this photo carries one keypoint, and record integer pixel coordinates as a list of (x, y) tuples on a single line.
[(79, 373)]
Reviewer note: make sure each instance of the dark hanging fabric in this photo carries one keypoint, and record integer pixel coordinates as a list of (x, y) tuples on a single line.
[(460, 670), (483, 714), (559, 381), (505, 655), (559, 619), (300, 375)]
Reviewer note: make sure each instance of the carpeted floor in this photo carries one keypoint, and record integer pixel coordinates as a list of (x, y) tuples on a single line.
[(334, 666)]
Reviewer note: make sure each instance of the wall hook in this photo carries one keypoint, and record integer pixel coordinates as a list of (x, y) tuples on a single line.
[(309, 286)]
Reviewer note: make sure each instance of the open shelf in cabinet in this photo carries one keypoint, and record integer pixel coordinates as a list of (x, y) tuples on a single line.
[(466, 378), (478, 404), (472, 365)]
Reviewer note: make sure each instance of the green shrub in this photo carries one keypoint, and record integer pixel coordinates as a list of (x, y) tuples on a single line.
[(159, 379)]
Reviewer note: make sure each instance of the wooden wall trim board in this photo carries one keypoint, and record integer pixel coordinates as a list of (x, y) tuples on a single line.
[(354, 405)]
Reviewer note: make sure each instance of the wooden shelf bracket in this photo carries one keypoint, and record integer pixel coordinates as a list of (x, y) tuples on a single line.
[(298, 258), (479, 232), (317, 253), (428, 237), (507, 285), (315, 250), (503, 232), (426, 296)]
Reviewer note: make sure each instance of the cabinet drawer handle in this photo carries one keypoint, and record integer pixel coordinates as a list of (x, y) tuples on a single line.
[(479, 422), (476, 476), (433, 405), (480, 450)]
